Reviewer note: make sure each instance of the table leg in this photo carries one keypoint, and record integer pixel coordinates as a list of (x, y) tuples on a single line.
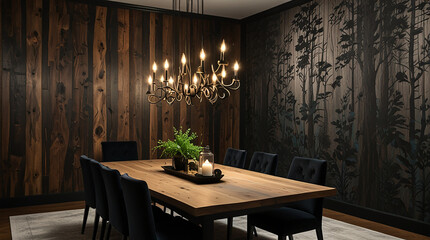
[(208, 229)]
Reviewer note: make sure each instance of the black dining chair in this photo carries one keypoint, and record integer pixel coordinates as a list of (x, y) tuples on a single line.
[(119, 151), (89, 194), (260, 162), (264, 162), (102, 208), (235, 158), (146, 222), (298, 216), (115, 199)]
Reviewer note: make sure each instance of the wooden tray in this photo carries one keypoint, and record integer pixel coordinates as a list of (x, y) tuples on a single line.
[(196, 178)]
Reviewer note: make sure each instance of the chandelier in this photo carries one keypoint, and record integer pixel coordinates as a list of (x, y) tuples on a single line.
[(213, 84)]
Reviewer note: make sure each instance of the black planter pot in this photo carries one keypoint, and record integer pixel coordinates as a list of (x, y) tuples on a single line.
[(179, 163)]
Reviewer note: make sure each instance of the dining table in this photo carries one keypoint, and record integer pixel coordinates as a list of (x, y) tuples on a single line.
[(239, 192)]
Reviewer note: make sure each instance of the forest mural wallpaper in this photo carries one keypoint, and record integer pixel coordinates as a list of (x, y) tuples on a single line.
[(347, 81)]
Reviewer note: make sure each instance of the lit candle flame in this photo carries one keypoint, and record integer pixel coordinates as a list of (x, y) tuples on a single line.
[(166, 65), (236, 66), (183, 60), (171, 80), (154, 67), (202, 55), (223, 46), (195, 79), (186, 87), (162, 79), (150, 80), (223, 73), (214, 78)]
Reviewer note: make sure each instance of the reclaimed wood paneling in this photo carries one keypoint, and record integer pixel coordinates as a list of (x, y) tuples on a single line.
[(99, 81), (75, 74), (60, 89), (14, 75), (81, 127), (153, 122), (137, 82), (112, 75), (123, 75), (33, 128), (167, 46)]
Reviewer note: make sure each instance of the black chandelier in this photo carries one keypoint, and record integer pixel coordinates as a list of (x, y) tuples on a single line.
[(187, 85)]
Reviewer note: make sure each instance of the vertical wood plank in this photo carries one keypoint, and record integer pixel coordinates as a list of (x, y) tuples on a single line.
[(81, 125), (153, 122), (167, 44), (123, 75), (184, 47), (99, 78), (112, 74), (46, 116), (146, 72), (60, 89), (33, 163), (4, 115), (137, 84), (14, 71)]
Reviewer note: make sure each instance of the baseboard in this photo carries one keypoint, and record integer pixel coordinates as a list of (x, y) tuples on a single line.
[(408, 224), (41, 199)]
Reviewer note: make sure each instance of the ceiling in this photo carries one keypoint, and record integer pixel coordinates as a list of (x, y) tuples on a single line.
[(236, 9)]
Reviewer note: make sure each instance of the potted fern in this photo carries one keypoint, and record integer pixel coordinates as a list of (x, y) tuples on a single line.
[(180, 149)]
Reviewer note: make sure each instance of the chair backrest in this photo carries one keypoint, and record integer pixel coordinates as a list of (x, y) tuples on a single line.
[(235, 158), (312, 171), (264, 162), (137, 198), (90, 195), (119, 151), (101, 200), (115, 199)]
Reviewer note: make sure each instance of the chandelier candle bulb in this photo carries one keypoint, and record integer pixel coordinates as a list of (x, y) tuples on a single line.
[(150, 85), (202, 60), (236, 68), (214, 78), (223, 47)]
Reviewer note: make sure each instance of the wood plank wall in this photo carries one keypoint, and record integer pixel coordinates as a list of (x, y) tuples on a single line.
[(75, 74)]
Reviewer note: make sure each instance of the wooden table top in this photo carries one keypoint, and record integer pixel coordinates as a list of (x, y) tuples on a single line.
[(239, 189)]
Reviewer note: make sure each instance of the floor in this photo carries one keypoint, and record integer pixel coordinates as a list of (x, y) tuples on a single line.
[(5, 225)]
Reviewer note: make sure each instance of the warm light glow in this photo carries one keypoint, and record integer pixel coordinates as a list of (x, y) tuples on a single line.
[(186, 87), (223, 73), (162, 79), (223, 46), (202, 55), (171, 80), (154, 67), (195, 79), (166, 65), (214, 78), (150, 80), (183, 60), (236, 66)]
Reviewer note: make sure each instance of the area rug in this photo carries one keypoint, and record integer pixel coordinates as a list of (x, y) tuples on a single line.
[(66, 225)]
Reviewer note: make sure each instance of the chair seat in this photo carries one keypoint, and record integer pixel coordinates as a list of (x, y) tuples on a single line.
[(169, 227), (284, 221)]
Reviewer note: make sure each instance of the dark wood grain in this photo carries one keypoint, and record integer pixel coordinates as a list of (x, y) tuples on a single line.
[(112, 75), (136, 79), (123, 75), (153, 122), (99, 81), (14, 81), (33, 163), (60, 69), (167, 54), (81, 126)]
